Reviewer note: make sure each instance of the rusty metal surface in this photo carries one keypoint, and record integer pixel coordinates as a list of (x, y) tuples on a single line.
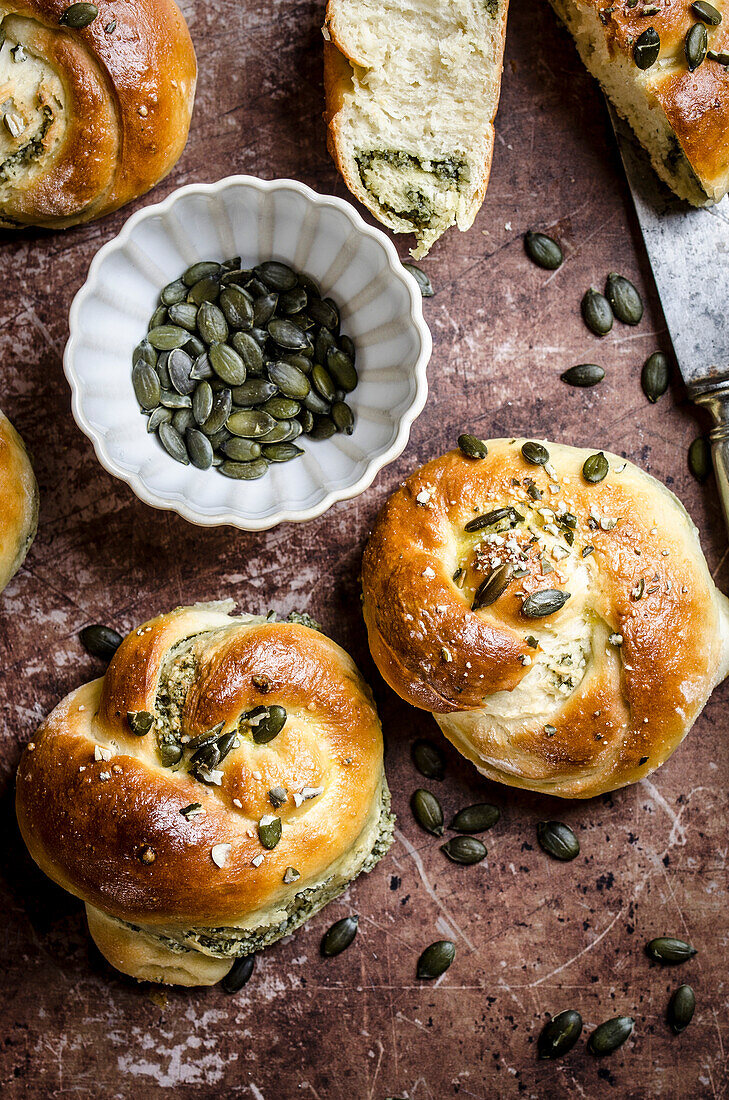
[(533, 936)]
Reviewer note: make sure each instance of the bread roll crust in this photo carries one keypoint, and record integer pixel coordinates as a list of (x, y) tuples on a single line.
[(643, 617), (18, 501)]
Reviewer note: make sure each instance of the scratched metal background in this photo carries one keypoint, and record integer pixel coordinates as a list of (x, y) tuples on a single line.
[(533, 936)]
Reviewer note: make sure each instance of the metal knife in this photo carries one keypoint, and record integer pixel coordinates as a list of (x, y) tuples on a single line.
[(688, 249)]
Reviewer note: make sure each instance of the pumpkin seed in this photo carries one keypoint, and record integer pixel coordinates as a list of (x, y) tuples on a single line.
[(464, 849), (202, 369), (264, 308), (145, 352), (545, 602), (283, 431), (206, 738), (596, 312), (270, 725), (179, 365), (275, 275), (681, 1008), (182, 420), (610, 1035), (249, 423), (269, 831), (162, 372), (139, 721), (202, 402), (655, 376), (227, 364), (493, 586), (204, 290), (343, 417), (201, 270), (249, 351), (237, 305), (194, 347), (281, 452), (707, 13), (101, 641), (324, 428), (557, 840), (699, 458), (244, 471), (323, 382), (159, 317), (428, 759), (324, 341), (254, 391), (424, 284), (491, 518), (294, 300), (535, 453), (222, 404), (290, 381), (646, 50), (239, 974), (695, 46), (170, 753), (145, 381), (287, 334), (199, 448), (472, 447), (171, 399), (595, 468), (583, 374), (168, 337), (342, 370), (173, 443), (183, 314), (79, 16), (427, 811), (173, 292), (543, 250), (559, 1034), (720, 56), (324, 313), (241, 450), (339, 936), (306, 419), (316, 403), (669, 951), (211, 324), (436, 959), (476, 818), (625, 300)]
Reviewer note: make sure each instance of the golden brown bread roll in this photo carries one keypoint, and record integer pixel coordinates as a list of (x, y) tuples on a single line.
[(587, 698), (18, 502), (90, 117), (170, 835)]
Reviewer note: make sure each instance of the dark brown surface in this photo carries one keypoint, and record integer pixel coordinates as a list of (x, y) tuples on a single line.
[(532, 936)]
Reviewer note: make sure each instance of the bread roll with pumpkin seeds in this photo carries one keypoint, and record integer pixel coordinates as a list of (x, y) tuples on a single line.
[(553, 609), (18, 502), (219, 785)]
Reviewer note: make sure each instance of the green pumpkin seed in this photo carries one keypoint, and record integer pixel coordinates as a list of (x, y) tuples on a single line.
[(436, 959), (472, 447), (211, 324), (249, 423), (324, 428), (162, 372), (323, 312), (281, 452), (264, 308), (203, 739), (139, 721), (669, 951), (293, 301), (545, 602), (595, 468), (343, 417), (543, 250), (557, 840), (199, 448), (476, 818), (464, 849), (269, 831), (244, 471), (342, 369), (182, 420), (179, 366), (173, 443), (204, 290), (194, 347), (168, 337), (339, 936), (290, 381), (424, 284), (101, 641), (202, 369), (494, 517), (559, 1034), (596, 312), (254, 391), (707, 13), (720, 56), (173, 292), (427, 811), (249, 351), (699, 458), (237, 305), (535, 453), (201, 270), (241, 450), (695, 46), (283, 431), (159, 317), (270, 725), (275, 275), (315, 403), (583, 374), (202, 402), (184, 314), (239, 974), (79, 16), (144, 352), (625, 300), (222, 404), (646, 50), (610, 1035), (323, 382), (171, 399), (493, 586), (428, 759), (324, 341), (655, 376), (227, 364), (170, 753), (306, 419), (287, 335), (145, 381), (681, 1008)]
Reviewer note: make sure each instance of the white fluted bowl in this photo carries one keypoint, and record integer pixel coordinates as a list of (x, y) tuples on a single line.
[(320, 235)]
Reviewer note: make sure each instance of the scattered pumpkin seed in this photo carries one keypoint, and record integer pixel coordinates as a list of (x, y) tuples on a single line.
[(493, 586), (535, 453), (427, 811), (173, 292), (558, 840), (699, 458), (476, 818), (173, 443), (646, 50), (339, 936), (707, 13), (199, 448), (720, 56), (559, 1034), (681, 1008), (491, 518), (464, 849), (101, 641), (472, 447), (145, 381), (280, 452), (596, 312), (543, 250), (239, 974), (426, 288), (695, 46), (436, 959), (79, 16), (139, 721), (168, 337), (269, 831), (545, 602), (595, 468), (342, 417), (655, 376), (428, 759), (291, 875), (625, 300), (170, 753), (270, 725), (610, 1035), (669, 951)]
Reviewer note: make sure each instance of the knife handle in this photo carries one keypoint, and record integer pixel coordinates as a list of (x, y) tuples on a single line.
[(716, 400)]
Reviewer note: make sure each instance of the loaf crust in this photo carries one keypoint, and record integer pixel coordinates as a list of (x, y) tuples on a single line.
[(619, 674), (104, 113), (18, 501)]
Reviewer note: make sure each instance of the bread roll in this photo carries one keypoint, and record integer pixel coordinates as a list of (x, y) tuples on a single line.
[(681, 117), (587, 698), (90, 117), (163, 837), (411, 93), (18, 502)]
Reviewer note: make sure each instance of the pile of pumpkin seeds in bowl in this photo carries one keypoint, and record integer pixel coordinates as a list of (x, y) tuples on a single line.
[(238, 363)]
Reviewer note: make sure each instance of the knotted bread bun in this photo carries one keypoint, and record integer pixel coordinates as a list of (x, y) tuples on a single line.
[(90, 117), (18, 502), (582, 700), (174, 896)]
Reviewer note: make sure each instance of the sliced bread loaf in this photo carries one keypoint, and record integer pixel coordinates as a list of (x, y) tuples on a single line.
[(412, 88)]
